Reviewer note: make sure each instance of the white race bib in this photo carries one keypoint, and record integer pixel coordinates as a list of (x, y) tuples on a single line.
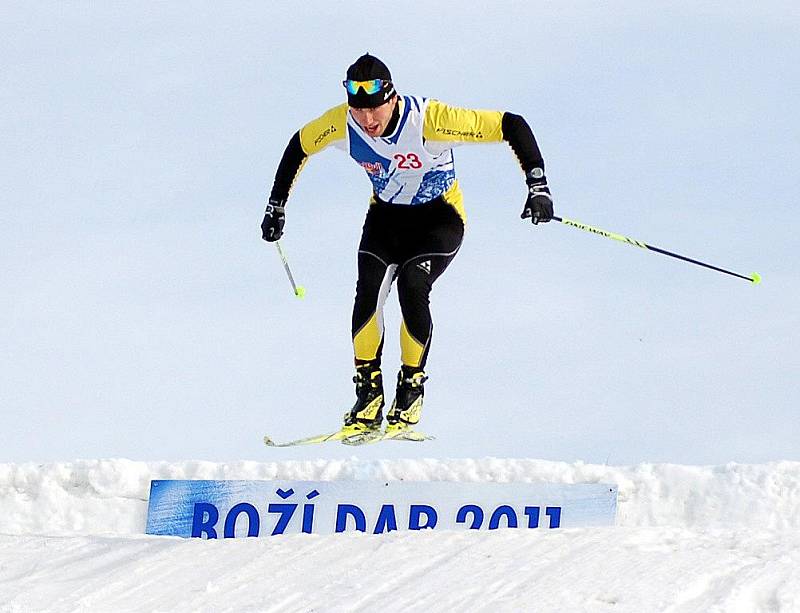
[(402, 171)]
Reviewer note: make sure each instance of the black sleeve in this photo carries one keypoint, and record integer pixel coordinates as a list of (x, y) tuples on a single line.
[(520, 136), (292, 160)]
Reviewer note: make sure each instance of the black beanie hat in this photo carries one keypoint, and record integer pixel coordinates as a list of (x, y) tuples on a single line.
[(365, 68)]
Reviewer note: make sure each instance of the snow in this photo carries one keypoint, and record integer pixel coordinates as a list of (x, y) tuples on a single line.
[(688, 538)]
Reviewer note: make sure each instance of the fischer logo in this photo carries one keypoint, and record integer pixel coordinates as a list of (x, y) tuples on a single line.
[(325, 134), (462, 133)]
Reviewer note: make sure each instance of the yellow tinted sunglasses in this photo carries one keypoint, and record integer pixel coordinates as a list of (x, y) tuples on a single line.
[(373, 86)]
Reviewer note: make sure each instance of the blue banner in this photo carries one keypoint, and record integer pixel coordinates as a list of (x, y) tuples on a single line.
[(229, 509)]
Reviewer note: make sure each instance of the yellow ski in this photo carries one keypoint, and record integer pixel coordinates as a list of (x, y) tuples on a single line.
[(390, 434), (339, 435)]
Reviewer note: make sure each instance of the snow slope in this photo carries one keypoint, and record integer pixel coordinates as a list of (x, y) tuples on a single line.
[(689, 538)]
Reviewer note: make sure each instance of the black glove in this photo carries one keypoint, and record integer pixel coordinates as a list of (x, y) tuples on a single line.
[(539, 205), (274, 218)]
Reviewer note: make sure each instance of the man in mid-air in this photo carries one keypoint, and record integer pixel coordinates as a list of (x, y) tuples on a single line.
[(414, 223)]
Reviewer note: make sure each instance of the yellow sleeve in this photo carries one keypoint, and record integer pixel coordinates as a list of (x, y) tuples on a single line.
[(450, 123), (324, 130)]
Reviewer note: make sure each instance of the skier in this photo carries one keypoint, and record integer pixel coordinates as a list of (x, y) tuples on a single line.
[(414, 224)]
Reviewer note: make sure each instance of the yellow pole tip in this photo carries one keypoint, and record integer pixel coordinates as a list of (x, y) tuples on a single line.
[(756, 278), (300, 292)]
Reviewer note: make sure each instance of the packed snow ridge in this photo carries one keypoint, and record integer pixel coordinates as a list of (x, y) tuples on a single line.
[(688, 538), (110, 496)]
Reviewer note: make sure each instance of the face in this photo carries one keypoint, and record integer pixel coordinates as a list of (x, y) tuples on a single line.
[(374, 121)]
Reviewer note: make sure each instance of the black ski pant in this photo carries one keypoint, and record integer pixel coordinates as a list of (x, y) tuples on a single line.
[(412, 245)]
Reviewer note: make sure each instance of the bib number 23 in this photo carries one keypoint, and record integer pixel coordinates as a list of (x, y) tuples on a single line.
[(407, 161)]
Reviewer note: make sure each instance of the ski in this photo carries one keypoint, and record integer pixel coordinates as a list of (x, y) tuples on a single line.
[(359, 438), (388, 435), (363, 438), (312, 440), (407, 435)]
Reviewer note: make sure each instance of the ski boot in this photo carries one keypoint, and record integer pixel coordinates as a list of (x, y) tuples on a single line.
[(407, 406), (367, 413)]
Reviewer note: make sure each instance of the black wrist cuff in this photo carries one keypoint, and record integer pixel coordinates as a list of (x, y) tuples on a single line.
[(275, 206)]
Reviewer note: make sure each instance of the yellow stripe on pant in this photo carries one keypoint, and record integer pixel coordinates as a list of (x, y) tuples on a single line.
[(368, 339), (411, 350)]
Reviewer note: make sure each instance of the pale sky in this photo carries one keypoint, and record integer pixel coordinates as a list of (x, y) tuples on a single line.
[(142, 316)]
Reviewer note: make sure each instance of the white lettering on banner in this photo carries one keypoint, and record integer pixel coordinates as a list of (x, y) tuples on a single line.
[(229, 509)]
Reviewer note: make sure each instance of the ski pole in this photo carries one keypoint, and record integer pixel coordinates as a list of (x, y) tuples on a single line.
[(299, 290), (755, 278)]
